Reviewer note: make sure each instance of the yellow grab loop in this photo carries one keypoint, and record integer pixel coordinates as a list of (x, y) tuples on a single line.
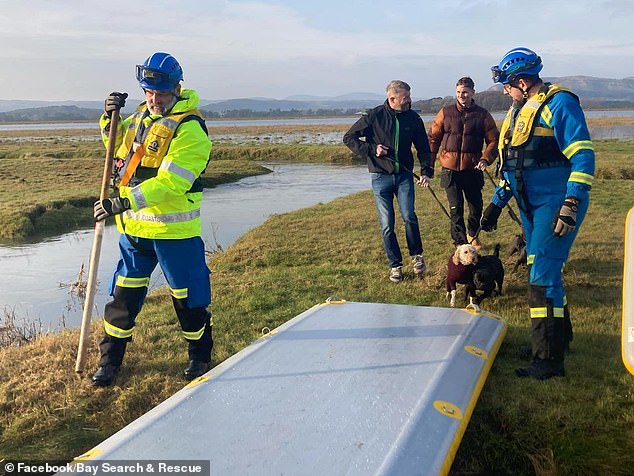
[(197, 381), (88, 455), (477, 351), (267, 332), (448, 409), (473, 307), (335, 300)]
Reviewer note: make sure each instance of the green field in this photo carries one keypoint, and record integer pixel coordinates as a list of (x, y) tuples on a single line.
[(582, 424)]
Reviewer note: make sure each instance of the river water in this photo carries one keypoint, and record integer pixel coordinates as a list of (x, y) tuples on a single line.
[(596, 132), (35, 278)]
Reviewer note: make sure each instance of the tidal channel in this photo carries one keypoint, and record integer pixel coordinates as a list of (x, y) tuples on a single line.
[(35, 279)]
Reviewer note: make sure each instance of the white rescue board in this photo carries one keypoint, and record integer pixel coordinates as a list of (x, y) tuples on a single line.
[(343, 388)]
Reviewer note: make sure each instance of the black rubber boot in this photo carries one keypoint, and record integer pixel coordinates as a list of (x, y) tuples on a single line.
[(196, 368), (548, 337), (104, 376), (192, 320), (112, 351), (568, 334), (542, 369)]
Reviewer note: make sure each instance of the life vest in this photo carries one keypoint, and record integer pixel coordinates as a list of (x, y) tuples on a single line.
[(150, 142), (530, 144), (145, 145)]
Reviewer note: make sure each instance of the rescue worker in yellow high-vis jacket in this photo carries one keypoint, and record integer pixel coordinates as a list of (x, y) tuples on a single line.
[(161, 151)]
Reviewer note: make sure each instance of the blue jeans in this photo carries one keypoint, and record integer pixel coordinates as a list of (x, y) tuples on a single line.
[(385, 188)]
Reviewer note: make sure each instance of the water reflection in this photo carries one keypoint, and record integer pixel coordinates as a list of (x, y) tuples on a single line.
[(304, 137), (35, 277), (612, 132)]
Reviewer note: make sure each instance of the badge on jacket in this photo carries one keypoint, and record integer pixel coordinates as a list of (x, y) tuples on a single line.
[(154, 146)]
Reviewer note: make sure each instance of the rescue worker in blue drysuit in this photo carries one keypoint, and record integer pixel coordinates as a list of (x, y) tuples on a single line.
[(161, 151), (547, 163)]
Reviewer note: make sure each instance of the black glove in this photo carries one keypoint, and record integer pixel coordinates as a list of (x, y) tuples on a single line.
[(109, 207), (489, 221), (114, 101), (565, 220)]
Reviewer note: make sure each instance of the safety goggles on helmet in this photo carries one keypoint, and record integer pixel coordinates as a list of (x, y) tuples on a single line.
[(153, 79), (518, 61), (498, 76)]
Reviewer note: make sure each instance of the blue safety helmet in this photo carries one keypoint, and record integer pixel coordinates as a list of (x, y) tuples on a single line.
[(517, 62), (160, 72)]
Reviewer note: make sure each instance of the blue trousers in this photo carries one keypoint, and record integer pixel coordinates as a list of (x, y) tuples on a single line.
[(385, 188), (544, 191), (184, 266), (546, 253)]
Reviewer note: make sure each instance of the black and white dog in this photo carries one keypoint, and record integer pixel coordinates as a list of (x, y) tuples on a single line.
[(488, 275)]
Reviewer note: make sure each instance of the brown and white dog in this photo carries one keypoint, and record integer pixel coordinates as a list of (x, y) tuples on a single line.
[(460, 268)]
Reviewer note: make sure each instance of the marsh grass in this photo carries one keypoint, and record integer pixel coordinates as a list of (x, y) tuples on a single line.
[(51, 191), (17, 331), (579, 425)]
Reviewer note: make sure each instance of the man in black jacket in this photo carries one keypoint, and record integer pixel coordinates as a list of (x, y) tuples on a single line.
[(384, 137)]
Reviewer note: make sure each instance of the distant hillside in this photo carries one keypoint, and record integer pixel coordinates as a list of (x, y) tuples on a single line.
[(15, 104), (344, 97), (491, 100), (588, 87), (596, 93), (244, 106), (51, 113)]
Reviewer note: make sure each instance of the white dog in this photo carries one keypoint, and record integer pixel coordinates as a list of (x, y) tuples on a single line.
[(460, 268)]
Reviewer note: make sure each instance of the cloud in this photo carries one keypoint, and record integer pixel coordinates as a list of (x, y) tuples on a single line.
[(281, 47)]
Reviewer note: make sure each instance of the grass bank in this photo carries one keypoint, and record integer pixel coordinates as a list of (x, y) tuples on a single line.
[(579, 425)]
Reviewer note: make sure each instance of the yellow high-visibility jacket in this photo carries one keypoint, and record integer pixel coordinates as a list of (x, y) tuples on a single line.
[(175, 152)]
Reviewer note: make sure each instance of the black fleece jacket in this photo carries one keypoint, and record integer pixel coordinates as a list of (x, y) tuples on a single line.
[(378, 126)]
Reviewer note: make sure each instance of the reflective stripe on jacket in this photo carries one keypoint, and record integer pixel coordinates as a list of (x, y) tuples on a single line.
[(529, 141), (550, 130), (176, 152)]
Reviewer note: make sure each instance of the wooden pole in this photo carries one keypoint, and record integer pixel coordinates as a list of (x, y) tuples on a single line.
[(91, 285)]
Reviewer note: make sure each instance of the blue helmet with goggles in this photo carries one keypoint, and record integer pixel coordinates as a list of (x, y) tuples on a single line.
[(515, 63), (160, 72)]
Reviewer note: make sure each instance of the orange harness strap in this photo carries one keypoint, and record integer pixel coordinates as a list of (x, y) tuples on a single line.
[(135, 160)]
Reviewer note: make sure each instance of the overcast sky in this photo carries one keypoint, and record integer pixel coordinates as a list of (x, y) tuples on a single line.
[(84, 49)]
